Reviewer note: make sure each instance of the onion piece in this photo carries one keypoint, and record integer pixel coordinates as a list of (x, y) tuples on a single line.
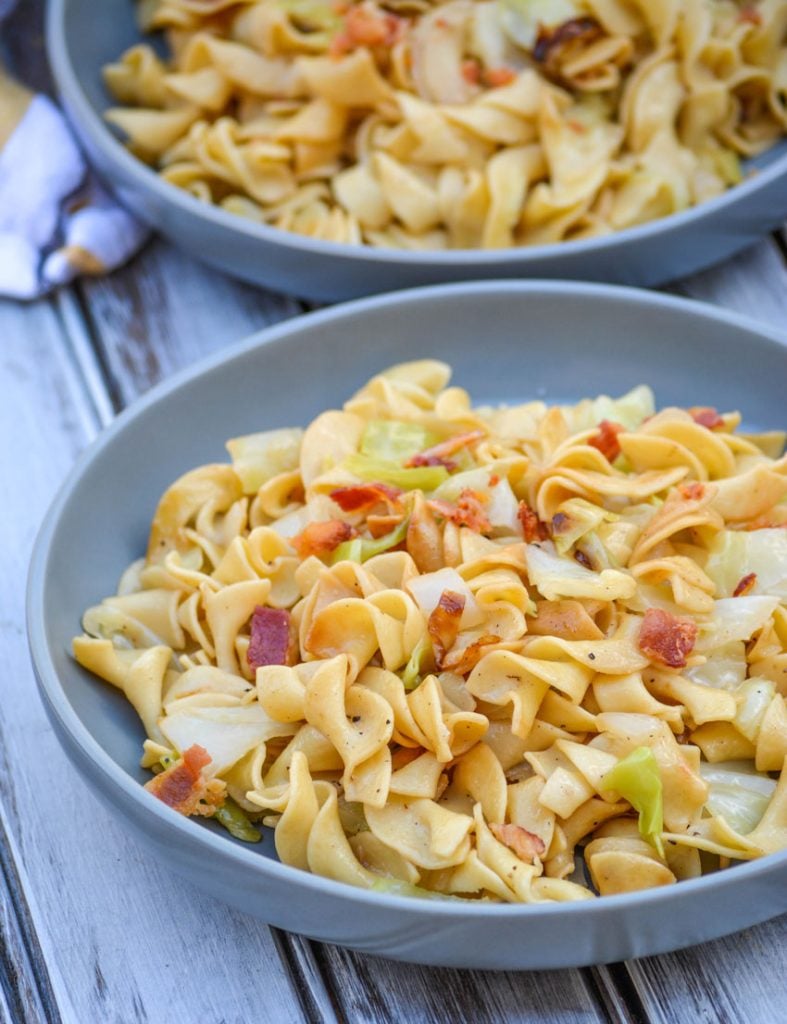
[(426, 591)]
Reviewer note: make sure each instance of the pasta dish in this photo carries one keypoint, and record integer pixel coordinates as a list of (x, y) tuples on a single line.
[(522, 653), (467, 124)]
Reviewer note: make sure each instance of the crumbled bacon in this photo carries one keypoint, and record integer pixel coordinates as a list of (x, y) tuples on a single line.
[(444, 622), (362, 497), (184, 788), (270, 637), (365, 26), (468, 510), (706, 416), (471, 71), (606, 439), (666, 638), (526, 845), (532, 527), (320, 538), (495, 77), (750, 15), (440, 454), (745, 584), (692, 491)]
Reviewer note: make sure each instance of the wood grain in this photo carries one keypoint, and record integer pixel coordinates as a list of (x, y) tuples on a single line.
[(120, 938)]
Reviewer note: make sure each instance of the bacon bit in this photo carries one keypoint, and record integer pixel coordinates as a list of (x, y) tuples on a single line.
[(666, 638), (184, 788), (364, 26), (526, 845), (464, 661), (468, 510), (693, 491), (496, 77), (471, 71), (320, 538), (494, 479), (750, 15), (362, 497), (532, 527), (444, 622), (706, 416), (270, 637), (745, 584), (404, 755), (606, 439), (378, 526), (439, 454)]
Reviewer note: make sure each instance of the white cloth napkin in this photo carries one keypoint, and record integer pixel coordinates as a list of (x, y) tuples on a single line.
[(56, 222)]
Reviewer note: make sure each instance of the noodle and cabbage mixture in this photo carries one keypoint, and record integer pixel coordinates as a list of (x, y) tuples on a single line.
[(447, 649), (417, 124)]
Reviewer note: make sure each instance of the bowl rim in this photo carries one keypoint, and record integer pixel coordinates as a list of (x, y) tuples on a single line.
[(70, 88), (187, 831)]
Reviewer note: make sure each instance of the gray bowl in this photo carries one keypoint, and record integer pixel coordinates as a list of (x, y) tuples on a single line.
[(82, 41), (549, 340)]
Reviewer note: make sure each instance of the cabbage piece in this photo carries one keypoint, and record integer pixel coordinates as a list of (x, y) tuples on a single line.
[(424, 478), (724, 668), (427, 589), (637, 779), (734, 554), (737, 793), (411, 675), (395, 440), (753, 698), (226, 732), (234, 819), (360, 550), (397, 887), (522, 19), (555, 576), (258, 457), (735, 618), (574, 519), (630, 410)]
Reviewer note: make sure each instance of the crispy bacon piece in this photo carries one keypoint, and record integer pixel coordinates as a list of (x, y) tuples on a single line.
[(362, 497), (666, 638), (532, 527), (750, 15), (606, 439), (495, 77), (471, 71), (184, 788), (745, 584), (526, 845), (706, 416), (320, 538), (468, 511), (364, 26), (270, 637), (692, 491), (443, 624), (464, 661), (440, 454)]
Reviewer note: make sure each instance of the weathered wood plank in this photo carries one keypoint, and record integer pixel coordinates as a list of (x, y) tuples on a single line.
[(166, 310), (735, 980), (116, 929)]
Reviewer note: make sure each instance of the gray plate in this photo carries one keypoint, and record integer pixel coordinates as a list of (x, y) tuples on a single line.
[(548, 340), (81, 42)]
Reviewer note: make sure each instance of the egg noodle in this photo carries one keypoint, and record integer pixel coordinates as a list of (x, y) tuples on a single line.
[(468, 124), (442, 648)]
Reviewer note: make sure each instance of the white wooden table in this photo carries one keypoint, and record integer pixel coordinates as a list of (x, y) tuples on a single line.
[(92, 931)]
